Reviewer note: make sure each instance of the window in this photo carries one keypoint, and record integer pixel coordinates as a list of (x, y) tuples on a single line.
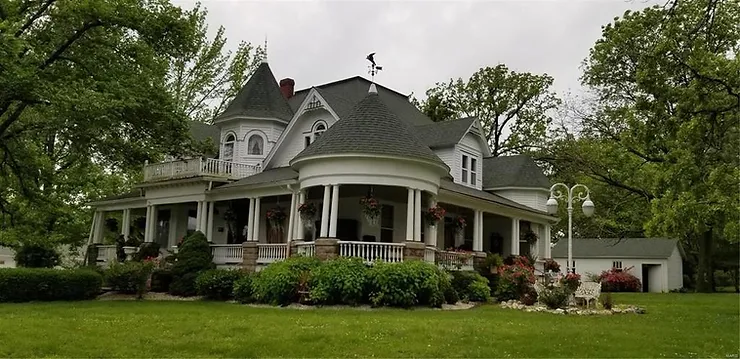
[(255, 145), (386, 223), (469, 170), (316, 131), (617, 265), (306, 141), (228, 154)]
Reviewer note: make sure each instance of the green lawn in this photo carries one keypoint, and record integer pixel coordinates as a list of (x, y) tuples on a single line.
[(677, 325)]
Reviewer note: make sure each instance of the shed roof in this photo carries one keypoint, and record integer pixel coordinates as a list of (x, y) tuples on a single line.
[(616, 248)]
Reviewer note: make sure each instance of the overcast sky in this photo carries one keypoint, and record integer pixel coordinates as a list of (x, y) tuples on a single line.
[(418, 43)]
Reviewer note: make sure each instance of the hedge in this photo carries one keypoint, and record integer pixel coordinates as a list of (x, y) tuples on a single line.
[(41, 284), (406, 284), (217, 284)]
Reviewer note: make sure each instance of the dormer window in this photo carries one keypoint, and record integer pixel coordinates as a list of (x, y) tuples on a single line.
[(469, 170), (255, 145), (228, 154), (317, 130)]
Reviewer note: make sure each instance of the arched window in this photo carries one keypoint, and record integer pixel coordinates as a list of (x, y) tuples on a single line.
[(228, 154), (255, 145), (318, 129)]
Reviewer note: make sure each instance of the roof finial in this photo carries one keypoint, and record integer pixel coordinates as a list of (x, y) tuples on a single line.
[(264, 55), (373, 68)]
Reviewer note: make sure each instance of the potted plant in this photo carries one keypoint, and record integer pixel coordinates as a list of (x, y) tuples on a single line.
[(434, 215), (276, 216), (370, 209), (307, 212)]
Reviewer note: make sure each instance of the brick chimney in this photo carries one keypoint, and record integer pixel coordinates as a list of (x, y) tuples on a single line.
[(287, 86)]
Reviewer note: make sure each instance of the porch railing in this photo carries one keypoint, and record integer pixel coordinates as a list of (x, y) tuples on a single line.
[(306, 249), (455, 260), (226, 253), (271, 252), (198, 167), (372, 251), (430, 254)]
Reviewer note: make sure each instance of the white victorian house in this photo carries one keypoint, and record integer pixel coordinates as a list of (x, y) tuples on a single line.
[(328, 147)]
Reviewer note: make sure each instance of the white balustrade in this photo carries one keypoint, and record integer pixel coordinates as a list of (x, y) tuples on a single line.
[(455, 260), (430, 254), (306, 249), (271, 252), (198, 167), (227, 253), (106, 254), (372, 251)]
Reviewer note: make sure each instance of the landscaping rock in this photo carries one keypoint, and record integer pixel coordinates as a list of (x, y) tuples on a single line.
[(571, 310)]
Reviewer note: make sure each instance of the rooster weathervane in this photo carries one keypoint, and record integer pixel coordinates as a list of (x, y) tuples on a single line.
[(373, 68)]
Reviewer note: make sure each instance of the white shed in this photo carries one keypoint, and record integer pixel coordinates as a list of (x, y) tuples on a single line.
[(655, 261), (7, 257)]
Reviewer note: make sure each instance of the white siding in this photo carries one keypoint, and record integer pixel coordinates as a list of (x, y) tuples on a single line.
[(534, 198), (293, 144), (7, 259), (447, 155), (675, 270), (269, 130), (658, 275), (471, 146)]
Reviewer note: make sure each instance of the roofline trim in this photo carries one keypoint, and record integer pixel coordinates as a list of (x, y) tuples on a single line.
[(542, 189), (615, 257), (441, 165), (229, 118), (233, 186), (482, 140), (350, 79), (115, 201), (268, 160)]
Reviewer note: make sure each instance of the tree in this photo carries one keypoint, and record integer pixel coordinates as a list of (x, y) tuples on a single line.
[(513, 107), (668, 90), (205, 78), (82, 104)]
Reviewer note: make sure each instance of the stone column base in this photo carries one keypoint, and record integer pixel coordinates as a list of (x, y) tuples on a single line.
[(250, 252), (479, 260), (326, 248), (414, 251)]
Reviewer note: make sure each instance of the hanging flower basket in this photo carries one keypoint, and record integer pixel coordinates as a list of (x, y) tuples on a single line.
[(308, 213), (370, 209), (434, 215), (460, 223), (276, 217)]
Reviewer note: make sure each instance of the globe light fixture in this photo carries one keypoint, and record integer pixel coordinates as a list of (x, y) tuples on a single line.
[(562, 191)]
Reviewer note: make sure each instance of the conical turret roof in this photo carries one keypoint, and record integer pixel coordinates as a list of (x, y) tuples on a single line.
[(260, 97)]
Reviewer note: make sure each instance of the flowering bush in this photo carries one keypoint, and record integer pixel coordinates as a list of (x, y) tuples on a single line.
[(435, 214), (460, 223), (514, 278), (370, 208), (571, 281), (307, 211), (615, 280), (276, 216), (551, 265)]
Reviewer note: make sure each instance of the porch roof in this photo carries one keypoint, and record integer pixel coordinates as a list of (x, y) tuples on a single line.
[(277, 174), (128, 195), (469, 191)]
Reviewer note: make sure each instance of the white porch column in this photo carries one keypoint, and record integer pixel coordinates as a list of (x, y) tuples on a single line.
[(257, 219), (417, 215), (153, 235), (431, 234), (548, 240), (299, 221), (209, 220), (175, 219), (199, 216), (515, 236), (334, 211), (325, 212), (291, 217), (99, 227), (410, 216), (148, 224), (250, 221), (477, 231), (126, 223)]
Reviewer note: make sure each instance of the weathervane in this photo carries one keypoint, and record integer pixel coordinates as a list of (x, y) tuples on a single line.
[(373, 68)]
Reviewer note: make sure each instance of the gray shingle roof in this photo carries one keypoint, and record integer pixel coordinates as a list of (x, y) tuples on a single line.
[(513, 171), (201, 131), (260, 97), (343, 95), (472, 192), (444, 134), (371, 128), (277, 174), (616, 248)]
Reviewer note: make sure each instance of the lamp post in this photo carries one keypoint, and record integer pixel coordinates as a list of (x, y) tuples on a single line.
[(567, 194)]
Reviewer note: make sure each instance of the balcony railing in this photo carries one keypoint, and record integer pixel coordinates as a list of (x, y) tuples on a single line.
[(372, 251), (455, 260), (227, 253), (306, 249), (197, 167), (271, 252)]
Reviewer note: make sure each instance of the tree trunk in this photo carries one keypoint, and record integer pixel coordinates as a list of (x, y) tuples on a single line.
[(704, 272)]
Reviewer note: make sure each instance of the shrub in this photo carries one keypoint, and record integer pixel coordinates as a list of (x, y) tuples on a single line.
[(449, 292), (40, 284), (555, 296), (490, 264), (571, 281), (551, 265), (193, 257), (514, 277), (342, 280), (406, 284), (615, 280), (243, 289), (129, 277), (279, 282), (36, 255), (529, 295), (217, 284), (148, 250), (161, 279), (471, 286)]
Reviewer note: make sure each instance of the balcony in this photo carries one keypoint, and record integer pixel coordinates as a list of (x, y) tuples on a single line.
[(197, 167)]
